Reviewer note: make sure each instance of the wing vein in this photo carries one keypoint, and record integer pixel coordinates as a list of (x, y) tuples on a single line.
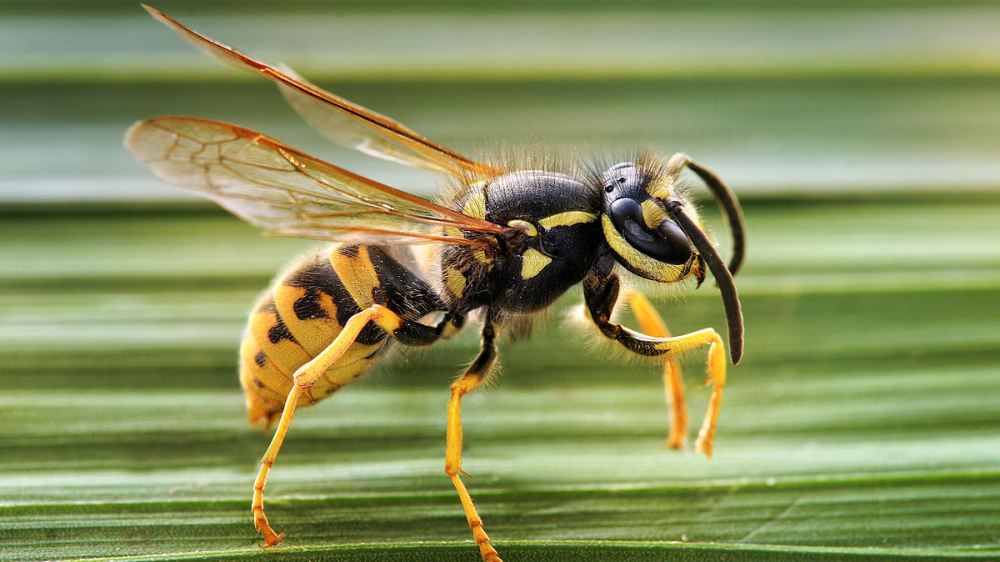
[(286, 191)]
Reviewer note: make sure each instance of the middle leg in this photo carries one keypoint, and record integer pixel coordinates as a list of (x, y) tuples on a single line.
[(473, 377)]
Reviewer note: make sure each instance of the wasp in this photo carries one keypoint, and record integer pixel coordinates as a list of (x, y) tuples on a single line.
[(501, 245)]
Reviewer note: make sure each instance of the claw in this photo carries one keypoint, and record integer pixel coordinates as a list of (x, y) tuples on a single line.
[(704, 446), (675, 441), (267, 533), (271, 538)]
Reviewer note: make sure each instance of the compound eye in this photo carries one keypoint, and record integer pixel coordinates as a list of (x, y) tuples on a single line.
[(667, 243)]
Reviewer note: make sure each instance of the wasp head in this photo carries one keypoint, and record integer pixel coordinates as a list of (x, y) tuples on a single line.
[(655, 232), (640, 232)]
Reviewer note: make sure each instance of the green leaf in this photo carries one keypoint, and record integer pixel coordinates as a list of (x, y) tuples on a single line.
[(861, 425)]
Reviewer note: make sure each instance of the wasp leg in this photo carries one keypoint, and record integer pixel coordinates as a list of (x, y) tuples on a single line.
[(601, 294), (473, 376), (651, 323), (304, 378)]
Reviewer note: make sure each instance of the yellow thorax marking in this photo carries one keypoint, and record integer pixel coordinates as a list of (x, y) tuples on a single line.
[(475, 205), (523, 226), (652, 214), (569, 218), (532, 263), (481, 256), (456, 282), (357, 273)]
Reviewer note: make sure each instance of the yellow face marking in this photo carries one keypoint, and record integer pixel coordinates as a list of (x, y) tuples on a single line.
[(475, 205), (660, 187), (356, 273), (524, 226), (532, 263), (640, 263), (569, 218), (652, 214), (456, 282)]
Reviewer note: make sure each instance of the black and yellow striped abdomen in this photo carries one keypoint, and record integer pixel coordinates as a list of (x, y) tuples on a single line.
[(305, 309)]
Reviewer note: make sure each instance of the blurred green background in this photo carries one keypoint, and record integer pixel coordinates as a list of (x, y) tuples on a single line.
[(863, 138)]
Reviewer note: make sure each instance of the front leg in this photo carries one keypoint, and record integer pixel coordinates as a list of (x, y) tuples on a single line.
[(651, 323), (601, 295)]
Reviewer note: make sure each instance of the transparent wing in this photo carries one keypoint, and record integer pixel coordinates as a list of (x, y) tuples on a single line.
[(338, 119), (287, 192)]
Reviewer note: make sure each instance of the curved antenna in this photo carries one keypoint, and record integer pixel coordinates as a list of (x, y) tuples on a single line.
[(723, 277), (727, 202)]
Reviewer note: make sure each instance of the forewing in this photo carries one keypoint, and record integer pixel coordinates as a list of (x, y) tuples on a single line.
[(342, 121), (287, 192)]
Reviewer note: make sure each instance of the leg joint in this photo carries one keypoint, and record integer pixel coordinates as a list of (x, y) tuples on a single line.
[(462, 386)]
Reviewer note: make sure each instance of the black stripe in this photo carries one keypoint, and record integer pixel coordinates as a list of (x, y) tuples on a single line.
[(279, 331), (400, 289)]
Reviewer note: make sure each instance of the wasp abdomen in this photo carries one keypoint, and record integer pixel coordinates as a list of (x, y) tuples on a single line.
[(306, 308)]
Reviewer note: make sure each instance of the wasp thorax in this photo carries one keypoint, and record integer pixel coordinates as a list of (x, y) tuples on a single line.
[(637, 228), (553, 235)]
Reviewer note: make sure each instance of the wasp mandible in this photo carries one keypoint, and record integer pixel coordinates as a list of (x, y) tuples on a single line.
[(506, 240)]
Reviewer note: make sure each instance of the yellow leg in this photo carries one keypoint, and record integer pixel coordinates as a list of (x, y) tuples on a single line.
[(453, 452), (666, 347), (652, 324), (453, 464), (304, 378), (716, 377)]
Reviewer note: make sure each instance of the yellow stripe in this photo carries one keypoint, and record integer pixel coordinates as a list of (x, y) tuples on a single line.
[(316, 332), (286, 355), (569, 218), (523, 226), (533, 263), (276, 384), (356, 273), (475, 206), (312, 334)]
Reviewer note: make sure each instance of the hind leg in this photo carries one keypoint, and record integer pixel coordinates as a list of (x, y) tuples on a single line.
[(304, 378)]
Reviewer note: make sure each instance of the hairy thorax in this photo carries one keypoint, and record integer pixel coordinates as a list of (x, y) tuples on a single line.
[(554, 245)]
